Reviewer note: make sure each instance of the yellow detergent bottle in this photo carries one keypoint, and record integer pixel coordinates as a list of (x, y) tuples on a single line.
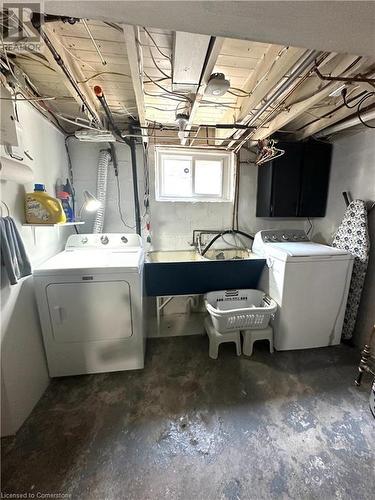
[(40, 208)]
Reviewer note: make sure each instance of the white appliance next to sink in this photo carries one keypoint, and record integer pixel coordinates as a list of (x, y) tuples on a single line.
[(310, 282)]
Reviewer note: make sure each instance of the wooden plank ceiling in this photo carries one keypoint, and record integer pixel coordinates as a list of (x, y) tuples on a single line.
[(254, 70)]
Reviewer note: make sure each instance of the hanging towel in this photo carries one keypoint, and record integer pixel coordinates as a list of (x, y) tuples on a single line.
[(13, 254), (352, 235)]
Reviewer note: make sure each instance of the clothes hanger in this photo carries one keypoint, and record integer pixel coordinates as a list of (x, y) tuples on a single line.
[(267, 151), (4, 205)]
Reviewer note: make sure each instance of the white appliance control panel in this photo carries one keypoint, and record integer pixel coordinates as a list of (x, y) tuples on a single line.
[(108, 241), (277, 236)]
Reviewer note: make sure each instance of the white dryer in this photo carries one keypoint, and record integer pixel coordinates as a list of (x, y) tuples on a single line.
[(90, 305), (310, 282)]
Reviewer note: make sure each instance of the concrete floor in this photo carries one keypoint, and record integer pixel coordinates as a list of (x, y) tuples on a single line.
[(288, 425)]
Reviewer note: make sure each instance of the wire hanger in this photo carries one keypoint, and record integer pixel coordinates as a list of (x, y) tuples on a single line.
[(4, 205), (267, 151)]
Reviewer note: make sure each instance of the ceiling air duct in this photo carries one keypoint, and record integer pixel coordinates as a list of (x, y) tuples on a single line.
[(189, 55)]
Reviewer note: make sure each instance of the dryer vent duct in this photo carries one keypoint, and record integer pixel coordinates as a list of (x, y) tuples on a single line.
[(101, 189)]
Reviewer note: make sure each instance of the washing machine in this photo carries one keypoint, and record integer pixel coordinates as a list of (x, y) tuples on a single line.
[(90, 305), (310, 282)]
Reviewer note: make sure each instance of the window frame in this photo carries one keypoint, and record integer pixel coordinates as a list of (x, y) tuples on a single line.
[(228, 177)]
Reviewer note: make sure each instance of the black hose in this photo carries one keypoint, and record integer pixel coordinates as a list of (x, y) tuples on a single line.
[(229, 231), (133, 153)]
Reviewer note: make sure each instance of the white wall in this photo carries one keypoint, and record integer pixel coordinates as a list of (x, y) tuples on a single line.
[(173, 222), (23, 366), (353, 169), (84, 158)]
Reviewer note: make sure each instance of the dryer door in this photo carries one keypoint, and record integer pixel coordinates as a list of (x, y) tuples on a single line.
[(90, 311)]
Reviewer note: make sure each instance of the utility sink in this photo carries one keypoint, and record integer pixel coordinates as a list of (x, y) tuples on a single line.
[(174, 256), (186, 272), (229, 254)]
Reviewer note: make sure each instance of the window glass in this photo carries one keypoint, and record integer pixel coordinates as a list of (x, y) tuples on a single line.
[(176, 177), (208, 177)]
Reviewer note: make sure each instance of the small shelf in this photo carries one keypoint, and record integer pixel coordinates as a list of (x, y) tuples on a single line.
[(55, 225)]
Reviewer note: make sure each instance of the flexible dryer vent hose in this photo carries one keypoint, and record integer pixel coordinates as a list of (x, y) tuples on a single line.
[(101, 189)]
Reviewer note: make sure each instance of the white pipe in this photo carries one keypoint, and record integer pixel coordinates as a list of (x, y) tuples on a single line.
[(351, 122), (101, 189)]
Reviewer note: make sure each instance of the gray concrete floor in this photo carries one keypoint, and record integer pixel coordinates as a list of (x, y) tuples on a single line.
[(287, 425)]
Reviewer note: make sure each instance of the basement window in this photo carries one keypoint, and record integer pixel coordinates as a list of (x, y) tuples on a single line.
[(186, 175)]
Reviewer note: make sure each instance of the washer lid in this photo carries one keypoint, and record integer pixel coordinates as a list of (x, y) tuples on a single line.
[(306, 249)]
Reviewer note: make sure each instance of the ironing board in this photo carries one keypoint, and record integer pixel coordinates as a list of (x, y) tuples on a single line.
[(352, 235)]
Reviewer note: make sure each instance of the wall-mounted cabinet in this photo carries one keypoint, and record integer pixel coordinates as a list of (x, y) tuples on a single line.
[(295, 184)]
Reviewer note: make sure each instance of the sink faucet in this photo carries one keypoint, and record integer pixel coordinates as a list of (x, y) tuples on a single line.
[(197, 241)]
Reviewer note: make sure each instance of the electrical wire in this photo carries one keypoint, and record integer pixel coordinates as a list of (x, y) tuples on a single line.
[(359, 105), (156, 46), (170, 110), (344, 95), (74, 56), (245, 93), (157, 80), (30, 99), (103, 73), (370, 94), (35, 58), (237, 95), (157, 66), (161, 96), (176, 94), (119, 204), (41, 108), (310, 226)]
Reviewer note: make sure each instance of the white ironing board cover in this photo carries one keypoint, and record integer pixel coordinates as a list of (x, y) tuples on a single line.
[(352, 235)]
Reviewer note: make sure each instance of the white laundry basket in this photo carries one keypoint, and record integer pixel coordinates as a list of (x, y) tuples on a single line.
[(239, 309)]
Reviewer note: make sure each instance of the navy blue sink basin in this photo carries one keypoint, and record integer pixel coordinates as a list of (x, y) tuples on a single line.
[(185, 273)]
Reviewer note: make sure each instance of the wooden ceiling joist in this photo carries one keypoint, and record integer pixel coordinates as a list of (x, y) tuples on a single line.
[(324, 122), (74, 70), (131, 34), (272, 70), (295, 110)]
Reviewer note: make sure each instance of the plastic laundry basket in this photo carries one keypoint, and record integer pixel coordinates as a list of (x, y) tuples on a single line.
[(239, 309)]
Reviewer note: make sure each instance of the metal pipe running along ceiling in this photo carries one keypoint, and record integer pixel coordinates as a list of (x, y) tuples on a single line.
[(303, 64)]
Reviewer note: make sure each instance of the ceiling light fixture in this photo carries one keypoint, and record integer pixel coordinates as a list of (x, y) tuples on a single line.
[(181, 120), (217, 85)]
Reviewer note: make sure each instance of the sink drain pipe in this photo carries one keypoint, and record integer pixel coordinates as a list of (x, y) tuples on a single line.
[(133, 153)]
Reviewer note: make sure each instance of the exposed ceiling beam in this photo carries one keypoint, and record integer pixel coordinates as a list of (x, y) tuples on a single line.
[(75, 71), (368, 116), (271, 73), (295, 110), (131, 34), (207, 71), (327, 121), (262, 68)]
